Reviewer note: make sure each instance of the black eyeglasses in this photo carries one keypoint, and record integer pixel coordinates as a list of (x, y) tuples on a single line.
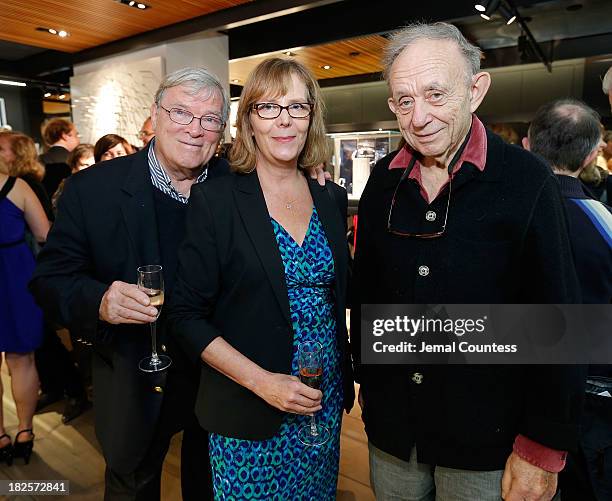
[(211, 123), (270, 111), (405, 175), (402, 233)]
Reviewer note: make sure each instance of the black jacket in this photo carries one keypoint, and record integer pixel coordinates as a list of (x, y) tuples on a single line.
[(505, 242), (56, 168), (106, 227), (231, 283)]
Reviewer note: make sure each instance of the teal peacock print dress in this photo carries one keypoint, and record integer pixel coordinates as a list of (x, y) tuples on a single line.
[(282, 468)]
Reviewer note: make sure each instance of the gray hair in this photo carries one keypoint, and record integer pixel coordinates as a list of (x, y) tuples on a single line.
[(414, 32), (196, 80), (565, 132), (606, 84)]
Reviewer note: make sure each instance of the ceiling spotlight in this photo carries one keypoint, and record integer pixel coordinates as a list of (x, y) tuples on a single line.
[(288, 53), (235, 80), (52, 31), (62, 33), (507, 14), (132, 2), (326, 67), (485, 17), (479, 7), (141, 6), (62, 96), (47, 94)]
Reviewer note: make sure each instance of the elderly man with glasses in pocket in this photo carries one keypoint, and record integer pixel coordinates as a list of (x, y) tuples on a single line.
[(458, 216)]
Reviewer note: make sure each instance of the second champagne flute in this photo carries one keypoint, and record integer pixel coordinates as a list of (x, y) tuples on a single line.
[(310, 364), (151, 282)]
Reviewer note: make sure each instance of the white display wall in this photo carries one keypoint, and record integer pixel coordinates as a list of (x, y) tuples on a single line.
[(116, 99)]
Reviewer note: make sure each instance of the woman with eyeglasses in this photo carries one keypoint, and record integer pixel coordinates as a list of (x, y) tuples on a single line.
[(263, 272)]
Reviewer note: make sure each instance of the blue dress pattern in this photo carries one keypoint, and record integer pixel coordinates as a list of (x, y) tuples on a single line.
[(281, 468)]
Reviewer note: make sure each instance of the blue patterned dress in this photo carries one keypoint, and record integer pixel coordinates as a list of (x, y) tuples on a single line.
[(281, 468)]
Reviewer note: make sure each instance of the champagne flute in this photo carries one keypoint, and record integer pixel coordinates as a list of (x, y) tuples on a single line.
[(151, 282), (310, 364)]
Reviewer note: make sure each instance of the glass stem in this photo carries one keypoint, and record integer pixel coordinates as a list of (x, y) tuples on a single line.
[(313, 426), (154, 357)]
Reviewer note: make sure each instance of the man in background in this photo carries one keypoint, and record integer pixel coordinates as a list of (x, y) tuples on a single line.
[(566, 133), (146, 132), (61, 137)]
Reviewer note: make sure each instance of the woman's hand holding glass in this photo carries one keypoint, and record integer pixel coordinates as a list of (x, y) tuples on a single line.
[(288, 394)]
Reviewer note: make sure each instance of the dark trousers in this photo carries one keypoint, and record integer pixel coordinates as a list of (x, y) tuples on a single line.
[(588, 474), (144, 484), (57, 372), (176, 414)]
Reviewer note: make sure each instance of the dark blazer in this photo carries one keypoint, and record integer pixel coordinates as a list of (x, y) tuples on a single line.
[(231, 283), (506, 241), (105, 228), (56, 168)]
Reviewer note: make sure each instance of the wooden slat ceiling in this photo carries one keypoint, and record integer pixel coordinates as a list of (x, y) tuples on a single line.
[(346, 58), (94, 22)]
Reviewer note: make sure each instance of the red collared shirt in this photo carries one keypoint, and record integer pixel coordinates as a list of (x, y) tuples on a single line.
[(475, 152)]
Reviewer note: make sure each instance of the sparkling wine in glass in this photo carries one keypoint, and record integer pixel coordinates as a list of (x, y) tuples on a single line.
[(310, 364), (151, 282)]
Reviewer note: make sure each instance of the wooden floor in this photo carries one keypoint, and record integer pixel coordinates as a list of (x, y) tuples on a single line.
[(71, 452)]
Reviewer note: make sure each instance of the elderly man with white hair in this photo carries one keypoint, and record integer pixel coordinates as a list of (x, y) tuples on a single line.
[(112, 219), (457, 216)]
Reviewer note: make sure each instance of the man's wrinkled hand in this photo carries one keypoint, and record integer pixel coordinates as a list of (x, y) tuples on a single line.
[(320, 174), (523, 481), (124, 303)]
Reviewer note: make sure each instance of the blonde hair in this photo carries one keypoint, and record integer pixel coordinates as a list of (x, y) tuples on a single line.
[(272, 77), (26, 157)]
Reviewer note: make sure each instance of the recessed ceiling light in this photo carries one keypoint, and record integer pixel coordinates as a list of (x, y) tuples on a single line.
[(479, 7), (289, 53), (235, 80), (485, 17), (134, 3), (47, 94), (326, 67), (62, 96), (53, 31)]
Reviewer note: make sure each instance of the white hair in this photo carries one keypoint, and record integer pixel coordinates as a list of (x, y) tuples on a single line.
[(606, 83), (434, 31), (197, 80)]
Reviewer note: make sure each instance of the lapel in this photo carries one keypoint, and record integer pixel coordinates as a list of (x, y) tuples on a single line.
[(138, 210), (254, 213), (331, 219)]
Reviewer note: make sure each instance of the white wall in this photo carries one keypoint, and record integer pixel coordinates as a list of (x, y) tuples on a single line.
[(114, 94)]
